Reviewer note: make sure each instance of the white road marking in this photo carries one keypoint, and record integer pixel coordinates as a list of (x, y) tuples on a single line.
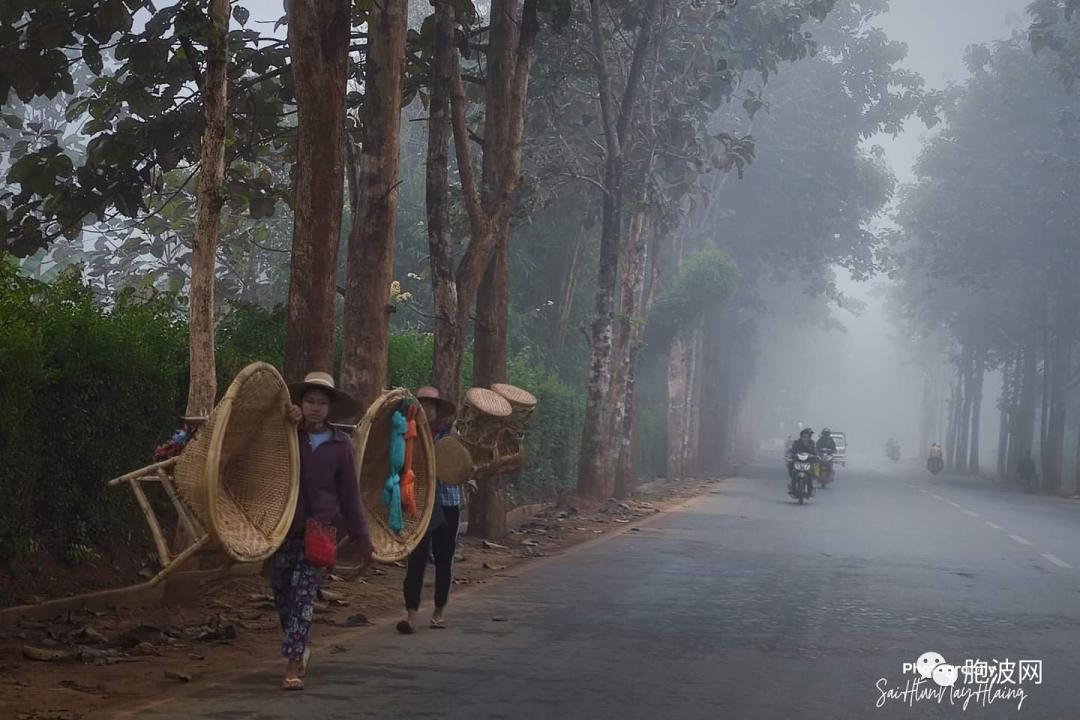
[(972, 514), (923, 490), (996, 527), (938, 497), (1020, 540), (1057, 561), (954, 504)]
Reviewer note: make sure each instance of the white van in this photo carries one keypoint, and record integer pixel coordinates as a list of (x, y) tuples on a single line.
[(840, 458)]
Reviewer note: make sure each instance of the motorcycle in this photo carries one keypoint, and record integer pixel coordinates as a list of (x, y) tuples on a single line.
[(935, 465), (802, 478), (826, 468)]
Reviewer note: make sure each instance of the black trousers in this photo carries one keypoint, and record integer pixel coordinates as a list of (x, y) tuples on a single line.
[(442, 544)]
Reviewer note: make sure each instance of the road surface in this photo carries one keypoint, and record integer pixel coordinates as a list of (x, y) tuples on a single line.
[(740, 605)]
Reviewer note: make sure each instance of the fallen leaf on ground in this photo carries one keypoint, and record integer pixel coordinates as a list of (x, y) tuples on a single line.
[(357, 620), (174, 675), (488, 545), (335, 578), (42, 655), (193, 656), (489, 566), (338, 649)]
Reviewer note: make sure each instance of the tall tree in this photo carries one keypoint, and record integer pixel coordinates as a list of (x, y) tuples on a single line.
[(372, 238), (594, 478), (202, 389), (319, 47)]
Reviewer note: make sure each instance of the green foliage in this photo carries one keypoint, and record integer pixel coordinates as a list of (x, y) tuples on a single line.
[(553, 440), (86, 394), (708, 279)]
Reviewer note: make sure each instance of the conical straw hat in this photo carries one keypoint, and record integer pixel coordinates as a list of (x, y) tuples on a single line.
[(488, 402), (453, 464)]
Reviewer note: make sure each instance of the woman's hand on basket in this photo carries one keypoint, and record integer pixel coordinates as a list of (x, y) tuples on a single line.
[(293, 413)]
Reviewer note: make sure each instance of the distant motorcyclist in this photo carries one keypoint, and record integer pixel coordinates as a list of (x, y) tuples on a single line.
[(826, 442), (892, 449), (1027, 472)]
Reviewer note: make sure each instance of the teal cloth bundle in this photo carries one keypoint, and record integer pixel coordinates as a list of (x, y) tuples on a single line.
[(391, 495)]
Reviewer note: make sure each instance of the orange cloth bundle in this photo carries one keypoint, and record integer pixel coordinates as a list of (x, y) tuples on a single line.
[(408, 477)]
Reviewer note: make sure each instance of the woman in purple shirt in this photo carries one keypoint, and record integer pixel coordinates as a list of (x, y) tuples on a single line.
[(328, 490)]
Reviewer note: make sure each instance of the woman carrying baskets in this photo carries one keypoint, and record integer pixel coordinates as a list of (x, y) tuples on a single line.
[(328, 490), (440, 541)]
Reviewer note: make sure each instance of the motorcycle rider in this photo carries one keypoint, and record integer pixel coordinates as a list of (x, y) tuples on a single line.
[(805, 444), (826, 442), (935, 454), (1027, 472)]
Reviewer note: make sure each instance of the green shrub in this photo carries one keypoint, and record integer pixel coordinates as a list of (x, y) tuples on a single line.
[(89, 388), (553, 438), (85, 394)]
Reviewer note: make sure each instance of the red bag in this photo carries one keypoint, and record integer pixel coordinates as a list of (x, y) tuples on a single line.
[(320, 543)]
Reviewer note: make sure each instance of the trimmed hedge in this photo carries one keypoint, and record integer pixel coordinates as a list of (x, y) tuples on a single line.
[(85, 394), (87, 390)]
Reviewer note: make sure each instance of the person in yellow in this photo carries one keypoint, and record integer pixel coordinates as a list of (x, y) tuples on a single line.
[(935, 460)]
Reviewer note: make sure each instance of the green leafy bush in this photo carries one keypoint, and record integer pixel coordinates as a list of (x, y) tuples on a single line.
[(85, 394), (88, 388), (553, 438)]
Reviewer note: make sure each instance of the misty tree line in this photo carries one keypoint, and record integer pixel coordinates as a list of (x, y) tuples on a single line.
[(631, 190), (989, 250)]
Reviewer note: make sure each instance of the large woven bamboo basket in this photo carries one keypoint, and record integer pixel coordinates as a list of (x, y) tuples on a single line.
[(241, 475), (372, 443)]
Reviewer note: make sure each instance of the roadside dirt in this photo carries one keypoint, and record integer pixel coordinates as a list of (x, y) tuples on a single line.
[(84, 662)]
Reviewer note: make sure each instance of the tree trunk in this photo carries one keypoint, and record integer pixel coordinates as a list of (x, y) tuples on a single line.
[(1024, 435), (509, 56), (954, 423), (676, 403), (449, 343), (1008, 370), (319, 46), (593, 477), (965, 409), (371, 241), (1047, 391), (636, 307), (1059, 392), (487, 512), (202, 391), (693, 403), (627, 311), (978, 377)]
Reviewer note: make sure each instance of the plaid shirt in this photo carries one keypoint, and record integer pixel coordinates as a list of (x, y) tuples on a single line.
[(447, 495)]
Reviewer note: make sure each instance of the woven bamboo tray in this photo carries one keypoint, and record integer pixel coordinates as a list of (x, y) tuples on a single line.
[(372, 444)]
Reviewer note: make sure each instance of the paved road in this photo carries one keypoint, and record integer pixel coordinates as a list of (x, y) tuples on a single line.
[(742, 605)]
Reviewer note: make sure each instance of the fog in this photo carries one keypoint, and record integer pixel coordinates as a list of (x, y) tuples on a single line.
[(863, 380)]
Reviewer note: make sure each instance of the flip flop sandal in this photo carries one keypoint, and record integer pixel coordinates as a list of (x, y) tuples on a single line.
[(438, 624), (292, 684), (405, 628), (304, 662)]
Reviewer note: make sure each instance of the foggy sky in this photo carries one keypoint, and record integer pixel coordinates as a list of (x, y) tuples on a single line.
[(885, 391)]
